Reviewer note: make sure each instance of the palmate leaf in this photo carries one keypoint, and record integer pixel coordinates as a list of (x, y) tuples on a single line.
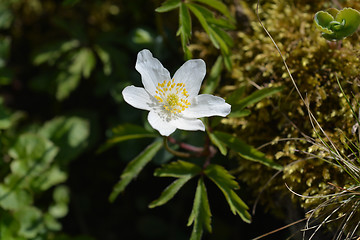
[(218, 143), (50, 53), (168, 6), (83, 62), (246, 151), (185, 20), (66, 83), (134, 167), (126, 132), (169, 192), (205, 18), (200, 215), (226, 183), (238, 103), (178, 169), (218, 5), (185, 29), (182, 170)]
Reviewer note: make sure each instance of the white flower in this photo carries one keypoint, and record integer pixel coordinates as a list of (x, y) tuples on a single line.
[(173, 102)]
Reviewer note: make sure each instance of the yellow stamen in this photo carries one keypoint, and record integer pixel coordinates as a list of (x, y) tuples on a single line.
[(173, 96)]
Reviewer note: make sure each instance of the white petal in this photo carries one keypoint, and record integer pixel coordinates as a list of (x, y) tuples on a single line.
[(189, 124), (160, 123), (206, 105), (151, 70), (138, 97), (192, 74)]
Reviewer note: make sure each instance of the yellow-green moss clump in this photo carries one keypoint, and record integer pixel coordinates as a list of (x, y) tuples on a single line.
[(283, 120)]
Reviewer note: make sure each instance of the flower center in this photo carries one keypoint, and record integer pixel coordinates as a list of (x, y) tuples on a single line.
[(173, 96)]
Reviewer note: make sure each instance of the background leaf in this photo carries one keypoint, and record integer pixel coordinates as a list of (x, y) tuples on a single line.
[(70, 134)]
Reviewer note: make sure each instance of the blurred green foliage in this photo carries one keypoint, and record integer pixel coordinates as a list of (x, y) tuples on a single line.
[(63, 65)]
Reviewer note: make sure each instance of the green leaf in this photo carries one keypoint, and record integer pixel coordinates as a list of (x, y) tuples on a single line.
[(199, 12), (58, 210), (83, 63), (239, 113), (222, 23), (184, 41), (30, 219), (178, 169), (134, 167), (52, 52), (218, 5), (9, 227), (70, 134), (49, 178), (219, 144), (168, 6), (213, 80), (322, 20), (246, 151), (337, 25), (4, 50), (185, 29), (236, 95), (200, 215), (66, 83), (170, 192), (228, 41), (51, 223), (227, 62), (61, 198), (6, 16), (105, 59), (352, 21), (5, 117), (13, 198), (185, 20), (32, 154), (141, 36), (255, 97), (126, 132), (215, 33), (221, 176), (226, 183)]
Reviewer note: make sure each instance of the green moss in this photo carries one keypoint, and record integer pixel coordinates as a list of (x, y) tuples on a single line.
[(283, 120)]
